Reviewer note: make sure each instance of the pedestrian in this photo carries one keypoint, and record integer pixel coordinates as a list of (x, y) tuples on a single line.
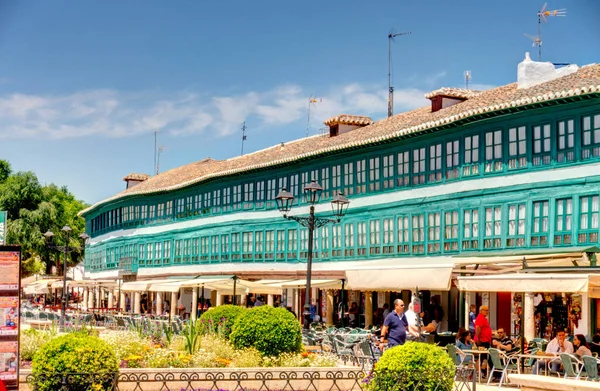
[(483, 331), (472, 317), (395, 326)]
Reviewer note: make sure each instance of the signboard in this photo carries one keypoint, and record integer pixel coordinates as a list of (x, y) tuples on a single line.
[(3, 219), (10, 284)]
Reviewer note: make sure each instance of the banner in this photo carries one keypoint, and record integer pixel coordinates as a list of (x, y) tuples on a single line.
[(3, 218), (10, 284)]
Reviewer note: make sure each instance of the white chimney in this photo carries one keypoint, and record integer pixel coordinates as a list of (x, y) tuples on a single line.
[(531, 73)]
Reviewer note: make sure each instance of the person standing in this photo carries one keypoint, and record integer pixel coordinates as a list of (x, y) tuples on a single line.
[(472, 317), (483, 331), (395, 325)]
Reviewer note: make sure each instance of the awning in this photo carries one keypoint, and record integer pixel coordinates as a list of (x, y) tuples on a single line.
[(140, 286), (321, 284), (395, 278), (529, 282), (243, 286), (175, 286), (38, 287)]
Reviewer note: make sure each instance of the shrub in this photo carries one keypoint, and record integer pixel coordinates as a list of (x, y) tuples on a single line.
[(416, 366), (220, 320), (125, 343), (271, 331), (74, 353), (32, 340)]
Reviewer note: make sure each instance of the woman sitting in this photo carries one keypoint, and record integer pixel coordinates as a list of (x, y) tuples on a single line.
[(465, 342), (581, 347)]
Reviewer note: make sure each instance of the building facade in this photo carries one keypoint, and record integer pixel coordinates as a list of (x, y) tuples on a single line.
[(510, 170)]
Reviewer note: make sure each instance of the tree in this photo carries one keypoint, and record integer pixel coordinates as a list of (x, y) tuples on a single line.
[(20, 191), (34, 209), (5, 170)]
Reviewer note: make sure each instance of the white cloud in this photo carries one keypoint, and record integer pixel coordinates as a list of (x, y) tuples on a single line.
[(114, 114)]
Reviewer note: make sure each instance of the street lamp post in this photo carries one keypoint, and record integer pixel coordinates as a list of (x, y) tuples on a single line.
[(312, 194), (66, 250)]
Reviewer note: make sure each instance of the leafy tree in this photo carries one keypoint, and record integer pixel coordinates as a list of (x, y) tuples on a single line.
[(5, 170), (34, 209)]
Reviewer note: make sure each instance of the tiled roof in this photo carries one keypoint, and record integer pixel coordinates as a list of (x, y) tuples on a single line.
[(585, 81), (134, 176), (347, 119), (450, 92)]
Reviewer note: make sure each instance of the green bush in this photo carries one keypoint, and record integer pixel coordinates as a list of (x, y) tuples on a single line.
[(413, 366), (271, 331), (74, 353), (220, 320), (31, 341)]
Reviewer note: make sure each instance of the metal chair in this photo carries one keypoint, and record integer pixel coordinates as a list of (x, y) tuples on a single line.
[(591, 368), (503, 364), (572, 365)]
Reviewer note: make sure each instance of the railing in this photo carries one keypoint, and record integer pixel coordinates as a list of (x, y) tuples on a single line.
[(251, 379)]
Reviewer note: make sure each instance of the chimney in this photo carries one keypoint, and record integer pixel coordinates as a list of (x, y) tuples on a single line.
[(345, 123), (531, 73), (446, 97), (134, 179)]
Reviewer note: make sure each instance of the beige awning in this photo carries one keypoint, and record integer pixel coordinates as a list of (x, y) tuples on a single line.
[(435, 277), (140, 286), (529, 282), (38, 287), (243, 286), (175, 286), (321, 284)]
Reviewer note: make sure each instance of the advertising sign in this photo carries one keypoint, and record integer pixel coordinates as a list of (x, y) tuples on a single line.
[(10, 284), (3, 217)]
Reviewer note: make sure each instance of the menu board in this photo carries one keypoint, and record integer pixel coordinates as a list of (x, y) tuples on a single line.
[(10, 284)]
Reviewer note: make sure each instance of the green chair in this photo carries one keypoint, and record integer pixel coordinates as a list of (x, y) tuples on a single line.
[(572, 366), (591, 368), (503, 364), (530, 361)]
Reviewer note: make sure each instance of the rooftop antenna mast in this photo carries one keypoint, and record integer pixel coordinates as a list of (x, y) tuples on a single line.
[(467, 79), (243, 136), (155, 153), (161, 149), (391, 37), (543, 14), (311, 101)]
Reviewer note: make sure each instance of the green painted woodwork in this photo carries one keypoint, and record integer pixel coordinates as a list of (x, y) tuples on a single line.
[(503, 218)]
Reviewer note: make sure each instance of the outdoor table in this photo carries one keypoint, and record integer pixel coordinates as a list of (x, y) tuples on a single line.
[(478, 353), (541, 356)]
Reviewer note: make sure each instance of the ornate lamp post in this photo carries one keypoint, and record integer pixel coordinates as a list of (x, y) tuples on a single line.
[(312, 194), (66, 250)]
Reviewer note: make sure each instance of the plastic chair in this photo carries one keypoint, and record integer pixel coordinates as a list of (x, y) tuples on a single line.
[(591, 368), (572, 366), (503, 364)]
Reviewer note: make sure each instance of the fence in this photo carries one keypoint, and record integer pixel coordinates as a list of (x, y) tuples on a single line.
[(255, 379)]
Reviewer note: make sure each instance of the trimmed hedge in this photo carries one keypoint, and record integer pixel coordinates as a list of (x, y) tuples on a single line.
[(271, 331), (74, 353), (413, 366), (220, 319)]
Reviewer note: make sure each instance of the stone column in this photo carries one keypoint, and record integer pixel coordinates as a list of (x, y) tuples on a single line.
[(219, 300), (137, 297), (159, 303), (243, 299), (91, 298), (85, 297), (110, 298), (368, 309), (194, 303), (330, 309), (213, 297), (173, 304), (122, 302), (529, 316), (270, 300)]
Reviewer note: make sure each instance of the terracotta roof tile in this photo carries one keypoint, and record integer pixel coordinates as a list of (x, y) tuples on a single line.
[(347, 119), (585, 81), (460, 93), (134, 176)]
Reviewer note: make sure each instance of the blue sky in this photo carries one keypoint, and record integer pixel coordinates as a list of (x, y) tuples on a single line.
[(83, 85)]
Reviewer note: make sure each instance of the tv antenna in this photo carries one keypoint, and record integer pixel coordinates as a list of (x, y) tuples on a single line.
[(311, 101), (467, 79), (243, 136), (543, 15), (391, 37), (161, 149), (155, 153)]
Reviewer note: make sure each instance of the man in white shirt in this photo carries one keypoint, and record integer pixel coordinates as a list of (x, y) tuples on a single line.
[(413, 326), (555, 347)]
